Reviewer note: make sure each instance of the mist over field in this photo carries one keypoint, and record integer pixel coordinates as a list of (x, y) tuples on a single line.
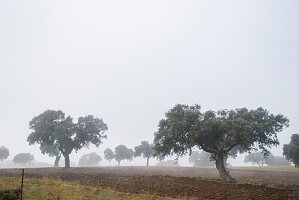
[(129, 62)]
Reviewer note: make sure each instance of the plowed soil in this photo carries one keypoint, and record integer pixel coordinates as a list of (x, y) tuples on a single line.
[(179, 182)]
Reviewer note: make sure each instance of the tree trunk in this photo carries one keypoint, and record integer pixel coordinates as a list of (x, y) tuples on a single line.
[(56, 163), (222, 171), (147, 161), (118, 163), (67, 160)]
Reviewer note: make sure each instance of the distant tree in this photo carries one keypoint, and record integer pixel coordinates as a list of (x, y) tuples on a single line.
[(276, 160), (201, 159), (90, 160), (54, 129), (146, 150), (256, 158), (53, 151), (291, 150), (217, 132), (168, 163), (260, 159), (123, 153), (4, 153), (194, 158), (23, 158), (109, 155)]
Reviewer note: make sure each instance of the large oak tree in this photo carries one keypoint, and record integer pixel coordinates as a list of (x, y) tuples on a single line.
[(217, 132), (53, 128)]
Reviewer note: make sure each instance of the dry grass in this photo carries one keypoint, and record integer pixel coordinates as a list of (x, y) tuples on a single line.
[(50, 189)]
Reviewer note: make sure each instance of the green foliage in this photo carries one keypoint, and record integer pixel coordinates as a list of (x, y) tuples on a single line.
[(90, 160), (217, 132), (4, 153), (55, 132), (144, 149), (109, 155), (23, 158), (51, 149), (201, 158), (14, 194), (123, 153), (291, 150)]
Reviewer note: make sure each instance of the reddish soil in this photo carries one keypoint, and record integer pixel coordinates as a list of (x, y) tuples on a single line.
[(179, 182)]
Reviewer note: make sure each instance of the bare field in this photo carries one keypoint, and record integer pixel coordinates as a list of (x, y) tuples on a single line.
[(178, 182)]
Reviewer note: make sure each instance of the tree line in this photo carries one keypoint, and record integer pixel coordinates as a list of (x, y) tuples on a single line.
[(21, 158), (221, 133)]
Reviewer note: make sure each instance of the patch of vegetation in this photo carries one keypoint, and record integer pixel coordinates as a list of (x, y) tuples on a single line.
[(14, 194), (48, 188)]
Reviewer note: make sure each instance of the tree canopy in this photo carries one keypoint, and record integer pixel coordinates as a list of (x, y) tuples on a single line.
[(51, 128), (90, 160), (217, 132), (4, 153), (146, 150), (23, 158), (291, 150)]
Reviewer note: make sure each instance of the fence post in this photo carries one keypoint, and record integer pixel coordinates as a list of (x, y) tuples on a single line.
[(22, 183)]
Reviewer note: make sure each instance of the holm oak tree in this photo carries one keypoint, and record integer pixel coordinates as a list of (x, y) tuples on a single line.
[(52, 128), (217, 132)]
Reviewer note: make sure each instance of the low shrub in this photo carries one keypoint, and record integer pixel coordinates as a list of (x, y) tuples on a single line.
[(10, 194)]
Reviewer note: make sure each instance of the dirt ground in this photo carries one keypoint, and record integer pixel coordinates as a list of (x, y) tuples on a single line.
[(178, 182)]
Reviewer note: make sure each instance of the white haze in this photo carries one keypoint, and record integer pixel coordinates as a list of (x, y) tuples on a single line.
[(128, 62)]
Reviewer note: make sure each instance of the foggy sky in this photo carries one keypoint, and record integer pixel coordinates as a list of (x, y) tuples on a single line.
[(129, 62)]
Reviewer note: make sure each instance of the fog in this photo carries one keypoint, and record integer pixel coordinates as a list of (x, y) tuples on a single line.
[(128, 62)]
